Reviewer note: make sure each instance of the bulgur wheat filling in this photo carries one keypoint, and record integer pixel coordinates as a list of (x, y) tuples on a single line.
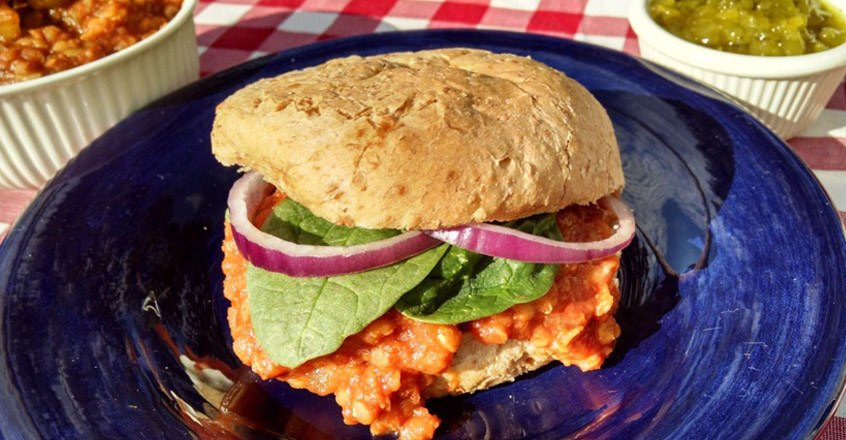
[(380, 375), (41, 37)]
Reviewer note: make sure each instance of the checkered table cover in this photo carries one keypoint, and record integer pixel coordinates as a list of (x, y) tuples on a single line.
[(230, 32)]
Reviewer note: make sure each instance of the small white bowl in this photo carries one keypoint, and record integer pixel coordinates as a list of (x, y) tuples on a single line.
[(44, 122), (786, 93)]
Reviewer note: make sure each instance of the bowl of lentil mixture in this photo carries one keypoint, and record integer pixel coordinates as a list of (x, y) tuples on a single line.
[(70, 69), (780, 59)]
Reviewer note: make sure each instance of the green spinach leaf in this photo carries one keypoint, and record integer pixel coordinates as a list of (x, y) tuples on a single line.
[(297, 319), (291, 221), (465, 285)]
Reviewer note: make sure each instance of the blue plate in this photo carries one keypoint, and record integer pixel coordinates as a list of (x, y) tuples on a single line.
[(732, 294)]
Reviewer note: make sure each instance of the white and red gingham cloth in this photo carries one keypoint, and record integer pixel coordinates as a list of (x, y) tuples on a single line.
[(230, 32)]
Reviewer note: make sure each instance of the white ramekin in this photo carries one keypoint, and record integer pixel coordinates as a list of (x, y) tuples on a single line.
[(44, 122), (786, 93)]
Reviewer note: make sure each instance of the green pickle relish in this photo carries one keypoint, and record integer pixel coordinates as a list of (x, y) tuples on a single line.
[(753, 27)]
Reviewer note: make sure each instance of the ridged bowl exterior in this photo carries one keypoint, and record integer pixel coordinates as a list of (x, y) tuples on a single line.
[(42, 128), (786, 105)]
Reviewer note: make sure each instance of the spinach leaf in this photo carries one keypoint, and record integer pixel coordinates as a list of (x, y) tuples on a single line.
[(291, 221), (465, 285), (297, 319)]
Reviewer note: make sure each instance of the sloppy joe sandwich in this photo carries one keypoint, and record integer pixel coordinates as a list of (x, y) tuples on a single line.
[(414, 225)]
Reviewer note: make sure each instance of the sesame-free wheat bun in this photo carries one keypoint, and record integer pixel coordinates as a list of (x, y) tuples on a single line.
[(423, 140)]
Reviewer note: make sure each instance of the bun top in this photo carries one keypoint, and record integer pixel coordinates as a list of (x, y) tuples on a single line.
[(423, 140)]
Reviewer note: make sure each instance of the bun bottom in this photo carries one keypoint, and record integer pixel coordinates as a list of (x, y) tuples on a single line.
[(477, 366)]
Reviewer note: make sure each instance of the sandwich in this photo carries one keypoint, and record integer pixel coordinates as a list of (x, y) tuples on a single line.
[(417, 225)]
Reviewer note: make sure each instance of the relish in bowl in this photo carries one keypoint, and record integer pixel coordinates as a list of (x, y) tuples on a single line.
[(753, 27)]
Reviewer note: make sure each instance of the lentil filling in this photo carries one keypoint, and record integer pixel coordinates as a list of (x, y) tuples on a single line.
[(379, 375)]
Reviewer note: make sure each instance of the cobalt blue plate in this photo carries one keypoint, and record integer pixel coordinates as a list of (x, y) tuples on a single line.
[(113, 321)]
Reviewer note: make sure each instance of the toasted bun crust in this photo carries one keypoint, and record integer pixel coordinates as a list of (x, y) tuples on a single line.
[(423, 140), (478, 366)]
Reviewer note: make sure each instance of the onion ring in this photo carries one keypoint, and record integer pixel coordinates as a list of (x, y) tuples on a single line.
[(276, 255), (502, 242)]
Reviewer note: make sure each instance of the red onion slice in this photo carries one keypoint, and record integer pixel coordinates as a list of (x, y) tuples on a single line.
[(276, 255), (502, 242)]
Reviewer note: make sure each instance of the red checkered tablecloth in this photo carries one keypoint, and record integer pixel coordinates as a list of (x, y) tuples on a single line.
[(230, 32)]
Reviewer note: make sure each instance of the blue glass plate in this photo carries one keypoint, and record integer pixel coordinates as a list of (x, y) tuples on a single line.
[(732, 293)]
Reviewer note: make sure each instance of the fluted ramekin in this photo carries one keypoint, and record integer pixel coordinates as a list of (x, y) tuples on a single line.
[(786, 93), (44, 122)]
